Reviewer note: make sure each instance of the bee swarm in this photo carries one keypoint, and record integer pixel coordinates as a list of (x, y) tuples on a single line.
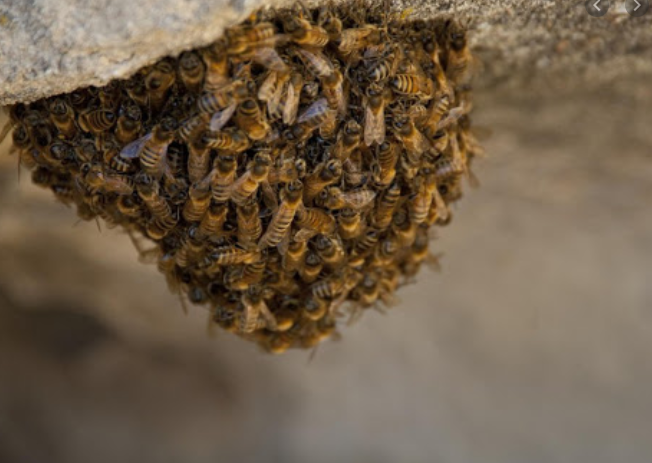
[(294, 165)]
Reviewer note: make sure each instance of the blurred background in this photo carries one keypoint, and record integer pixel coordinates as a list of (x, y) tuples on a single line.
[(533, 343)]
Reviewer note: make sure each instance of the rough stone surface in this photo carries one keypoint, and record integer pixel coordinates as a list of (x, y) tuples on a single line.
[(49, 47)]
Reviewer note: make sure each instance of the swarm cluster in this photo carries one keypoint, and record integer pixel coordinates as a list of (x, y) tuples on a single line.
[(294, 165)]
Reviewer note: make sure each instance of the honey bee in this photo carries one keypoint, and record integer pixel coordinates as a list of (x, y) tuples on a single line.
[(387, 204), (152, 148), (224, 170), (231, 140), (348, 140), (355, 39), (329, 287), (97, 121), (199, 199), (232, 255), (403, 228), (191, 71), (328, 128), (250, 226), (251, 120), (330, 22), (97, 180), (413, 85), (374, 122), (384, 170), (311, 268), (414, 141), (302, 32), (420, 202), (313, 221), (325, 174), (367, 292), (460, 59), (294, 255), (330, 250), (289, 170), (315, 62), (290, 105), (334, 91), (314, 308), (62, 116), (312, 118), (158, 81), (240, 39), (148, 190), (385, 252), (271, 92), (225, 96), (246, 277), (211, 224), (357, 200), (217, 66), (254, 311), (245, 186), (137, 91), (129, 123), (384, 67), (280, 223), (349, 224)]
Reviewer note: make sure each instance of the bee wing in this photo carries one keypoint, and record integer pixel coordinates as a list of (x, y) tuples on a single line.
[(316, 109), (304, 235), (374, 126), (453, 115), (118, 186), (269, 196), (291, 105), (133, 149), (267, 87), (269, 58), (220, 118), (275, 98), (360, 199), (318, 62), (268, 316)]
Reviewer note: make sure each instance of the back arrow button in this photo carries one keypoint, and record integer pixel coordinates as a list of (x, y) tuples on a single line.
[(597, 8)]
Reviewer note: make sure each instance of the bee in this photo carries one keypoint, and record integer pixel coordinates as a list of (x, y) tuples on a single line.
[(459, 55), (384, 67), (313, 221), (148, 190), (129, 123), (79, 98), (255, 311), (355, 39), (245, 186), (97, 121), (191, 71), (224, 169), (315, 62), (290, 106), (311, 267), (288, 170), (225, 96), (403, 228), (438, 107), (325, 174), (304, 33), (137, 91), (246, 277), (213, 221), (129, 206), (348, 140), (110, 95), (240, 39), (431, 185), (384, 169), (199, 199), (330, 22), (413, 85), (367, 292), (382, 215), (232, 255), (385, 252), (271, 92), (152, 148), (335, 198), (250, 226), (280, 223), (328, 288), (330, 250), (294, 255), (232, 140), (446, 168), (251, 120), (374, 123), (311, 119), (414, 141), (157, 83), (20, 137), (97, 180), (334, 91), (328, 128), (62, 116), (217, 66), (349, 224)]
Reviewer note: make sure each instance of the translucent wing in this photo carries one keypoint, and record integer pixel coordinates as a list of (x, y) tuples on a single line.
[(316, 109), (291, 104), (221, 118), (269, 58), (133, 149), (374, 126)]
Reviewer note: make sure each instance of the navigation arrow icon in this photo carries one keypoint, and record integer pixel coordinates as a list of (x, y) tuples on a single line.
[(638, 5), (595, 5)]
